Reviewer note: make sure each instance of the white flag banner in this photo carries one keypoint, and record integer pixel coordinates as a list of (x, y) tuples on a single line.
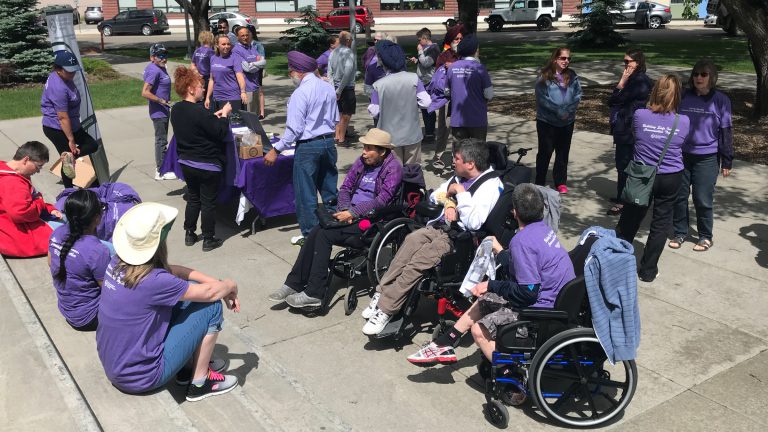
[(61, 34)]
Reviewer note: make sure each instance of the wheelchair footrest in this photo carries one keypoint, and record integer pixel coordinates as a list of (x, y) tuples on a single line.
[(393, 327)]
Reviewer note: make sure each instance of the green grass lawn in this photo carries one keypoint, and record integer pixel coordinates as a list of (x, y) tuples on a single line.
[(25, 102)]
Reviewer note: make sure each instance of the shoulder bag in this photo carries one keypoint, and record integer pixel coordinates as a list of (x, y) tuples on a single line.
[(640, 177)]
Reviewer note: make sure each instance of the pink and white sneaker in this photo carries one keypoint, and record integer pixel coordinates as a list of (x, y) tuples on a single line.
[(432, 353), (215, 384)]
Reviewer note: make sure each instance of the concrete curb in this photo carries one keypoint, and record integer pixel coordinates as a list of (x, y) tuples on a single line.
[(70, 391)]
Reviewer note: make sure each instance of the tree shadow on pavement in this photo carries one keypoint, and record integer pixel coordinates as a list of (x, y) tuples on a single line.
[(757, 234)]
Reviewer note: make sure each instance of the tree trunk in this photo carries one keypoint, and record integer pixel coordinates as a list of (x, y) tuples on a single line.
[(198, 13), (468, 10), (752, 17)]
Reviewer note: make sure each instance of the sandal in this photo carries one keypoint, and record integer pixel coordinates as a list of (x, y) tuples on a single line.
[(676, 242), (703, 245), (615, 210)]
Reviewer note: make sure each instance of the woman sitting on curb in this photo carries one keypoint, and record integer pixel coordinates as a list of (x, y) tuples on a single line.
[(78, 260), (371, 184), (156, 318)]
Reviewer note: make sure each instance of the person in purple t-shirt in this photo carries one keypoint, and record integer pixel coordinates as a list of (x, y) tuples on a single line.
[(469, 87), (157, 90), (538, 268), (224, 85), (558, 93), (158, 320), (371, 184), (708, 150), (653, 127), (78, 260), (251, 63), (322, 61), (201, 59), (60, 106)]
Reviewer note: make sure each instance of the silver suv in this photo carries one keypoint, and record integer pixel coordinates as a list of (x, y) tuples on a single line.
[(646, 14), (539, 12), (93, 15)]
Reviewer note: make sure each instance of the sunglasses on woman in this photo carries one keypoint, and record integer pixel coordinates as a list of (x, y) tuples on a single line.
[(701, 74), (563, 58)]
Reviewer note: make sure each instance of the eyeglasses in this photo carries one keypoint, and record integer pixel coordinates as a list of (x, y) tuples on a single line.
[(38, 165), (626, 62), (701, 74), (563, 58), (161, 56)]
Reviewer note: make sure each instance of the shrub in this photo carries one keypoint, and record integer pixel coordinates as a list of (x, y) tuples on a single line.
[(23, 43), (310, 37), (596, 20)]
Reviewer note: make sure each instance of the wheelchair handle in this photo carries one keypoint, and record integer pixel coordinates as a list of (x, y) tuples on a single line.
[(520, 153)]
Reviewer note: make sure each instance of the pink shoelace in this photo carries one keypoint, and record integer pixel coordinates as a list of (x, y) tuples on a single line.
[(215, 376)]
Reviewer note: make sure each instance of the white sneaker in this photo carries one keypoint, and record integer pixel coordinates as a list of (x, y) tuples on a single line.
[(170, 175), (158, 176), (376, 323), (372, 306), (297, 240)]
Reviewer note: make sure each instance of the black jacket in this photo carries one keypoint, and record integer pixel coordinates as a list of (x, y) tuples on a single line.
[(200, 135), (624, 102)]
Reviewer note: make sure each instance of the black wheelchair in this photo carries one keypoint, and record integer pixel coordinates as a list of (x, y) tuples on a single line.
[(554, 357), (443, 281)]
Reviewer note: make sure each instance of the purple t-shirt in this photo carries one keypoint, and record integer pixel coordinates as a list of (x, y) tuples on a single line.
[(133, 323), (708, 114), (205, 166), (365, 190), (225, 86), (158, 78), (202, 60), (86, 263), (246, 54), (322, 62), (467, 80), (60, 95), (651, 132), (536, 257)]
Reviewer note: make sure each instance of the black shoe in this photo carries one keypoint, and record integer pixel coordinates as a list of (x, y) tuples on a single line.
[(190, 238), (647, 279), (212, 243)]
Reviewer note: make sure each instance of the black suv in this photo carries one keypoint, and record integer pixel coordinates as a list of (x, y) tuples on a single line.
[(143, 21)]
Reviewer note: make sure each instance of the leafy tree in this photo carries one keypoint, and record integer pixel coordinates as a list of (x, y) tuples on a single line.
[(691, 9), (752, 17), (25, 54), (596, 20), (310, 37)]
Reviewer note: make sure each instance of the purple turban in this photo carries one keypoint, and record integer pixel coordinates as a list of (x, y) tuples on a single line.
[(301, 62)]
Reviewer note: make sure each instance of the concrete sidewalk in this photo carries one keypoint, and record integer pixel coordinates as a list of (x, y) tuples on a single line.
[(702, 362)]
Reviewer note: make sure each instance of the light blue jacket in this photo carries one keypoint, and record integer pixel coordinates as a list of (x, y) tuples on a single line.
[(552, 106), (610, 273)]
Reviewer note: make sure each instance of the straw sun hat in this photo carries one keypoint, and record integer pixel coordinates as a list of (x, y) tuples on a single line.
[(377, 137), (141, 229)]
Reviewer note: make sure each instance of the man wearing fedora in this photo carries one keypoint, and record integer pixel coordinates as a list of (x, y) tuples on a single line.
[(371, 184), (311, 124)]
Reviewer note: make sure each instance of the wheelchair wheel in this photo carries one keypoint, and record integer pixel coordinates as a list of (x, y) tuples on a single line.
[(350, 300), (385, 245), (574, 383), (498, 414)]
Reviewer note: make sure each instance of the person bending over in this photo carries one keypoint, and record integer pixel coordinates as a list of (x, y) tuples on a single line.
[(465, 208), (78, 260), (157, 319), (538, 268), (371, 184), (23, 232)]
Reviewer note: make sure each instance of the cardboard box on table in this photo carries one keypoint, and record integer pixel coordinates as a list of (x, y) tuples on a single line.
[(85, 175)]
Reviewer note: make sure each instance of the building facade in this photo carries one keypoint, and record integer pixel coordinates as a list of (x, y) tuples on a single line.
[(266, 10)]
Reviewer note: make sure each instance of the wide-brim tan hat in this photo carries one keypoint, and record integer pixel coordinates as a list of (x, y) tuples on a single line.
[(141, 230), (377, 137)]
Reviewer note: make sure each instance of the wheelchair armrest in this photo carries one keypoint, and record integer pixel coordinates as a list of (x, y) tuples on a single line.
[(428, 209), (388, 212), (543, 314)]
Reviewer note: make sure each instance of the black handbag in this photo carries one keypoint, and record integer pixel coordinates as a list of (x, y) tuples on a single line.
[(640, 177)]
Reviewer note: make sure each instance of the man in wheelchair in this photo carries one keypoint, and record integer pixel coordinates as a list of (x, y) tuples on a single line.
[(538, 268), (372, 183), (467, 201)]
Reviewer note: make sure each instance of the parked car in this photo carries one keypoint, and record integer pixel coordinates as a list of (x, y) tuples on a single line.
[(234, 19), (645, 14), (138, 21), (53, 8), (338, 19), (539, 12), (710, 20), (93, 15)]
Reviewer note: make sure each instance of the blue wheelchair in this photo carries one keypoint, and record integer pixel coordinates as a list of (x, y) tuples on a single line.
[(554, 357)]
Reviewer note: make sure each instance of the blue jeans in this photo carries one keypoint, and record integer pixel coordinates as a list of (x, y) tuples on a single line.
[(161, 139), (699, 178), (314, 169), (429, 122), (190, 322)]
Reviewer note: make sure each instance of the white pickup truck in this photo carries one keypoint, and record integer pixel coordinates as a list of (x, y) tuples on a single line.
[(539, 12)]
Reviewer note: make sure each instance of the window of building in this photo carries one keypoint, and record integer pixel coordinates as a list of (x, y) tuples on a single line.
[(219, 5), (493, 4), (124, 5), (412, 5), (167, 6), (283, 5)]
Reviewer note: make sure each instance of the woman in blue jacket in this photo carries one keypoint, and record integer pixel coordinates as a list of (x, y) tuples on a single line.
[(558, 93)]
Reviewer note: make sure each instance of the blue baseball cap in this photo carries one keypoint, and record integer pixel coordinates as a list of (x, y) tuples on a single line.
[(67, 61)]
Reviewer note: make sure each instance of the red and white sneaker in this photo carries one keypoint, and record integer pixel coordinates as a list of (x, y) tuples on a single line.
[(215, 384), (432, 353)]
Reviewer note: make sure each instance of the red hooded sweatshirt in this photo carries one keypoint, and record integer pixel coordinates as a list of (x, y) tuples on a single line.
[(22, 232)]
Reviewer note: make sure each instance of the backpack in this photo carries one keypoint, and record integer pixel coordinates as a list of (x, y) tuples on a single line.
[(500, 222)]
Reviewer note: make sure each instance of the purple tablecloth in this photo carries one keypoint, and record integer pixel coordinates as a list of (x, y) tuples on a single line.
[(268, 189)]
